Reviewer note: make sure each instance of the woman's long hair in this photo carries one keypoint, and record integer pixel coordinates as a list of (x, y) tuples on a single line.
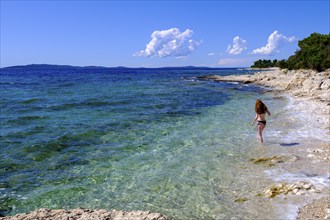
[(260, 107)]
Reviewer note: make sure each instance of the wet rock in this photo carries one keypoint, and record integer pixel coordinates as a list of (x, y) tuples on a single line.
[(297, 188), (307, 186)]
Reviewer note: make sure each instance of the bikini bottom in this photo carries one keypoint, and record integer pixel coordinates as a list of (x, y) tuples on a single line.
[(263, 122)]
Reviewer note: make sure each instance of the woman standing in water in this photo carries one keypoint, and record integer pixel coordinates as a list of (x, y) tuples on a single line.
[(261, 110)]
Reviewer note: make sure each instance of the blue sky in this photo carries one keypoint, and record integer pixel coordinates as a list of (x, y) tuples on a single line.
[(156, 33)]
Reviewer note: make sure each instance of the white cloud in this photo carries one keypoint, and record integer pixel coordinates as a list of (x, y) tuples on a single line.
[(275, 40), (237, 47), (169, 42), (211, 54)]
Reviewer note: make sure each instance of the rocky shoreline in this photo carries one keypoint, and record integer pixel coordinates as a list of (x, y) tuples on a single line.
[(306, 86), (86, 214), (298, 83), (311, 90)]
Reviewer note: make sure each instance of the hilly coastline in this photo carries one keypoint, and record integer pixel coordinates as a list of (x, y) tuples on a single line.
[(70, 67)]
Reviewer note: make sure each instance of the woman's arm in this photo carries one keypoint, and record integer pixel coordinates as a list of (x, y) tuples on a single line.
[(268, 112)]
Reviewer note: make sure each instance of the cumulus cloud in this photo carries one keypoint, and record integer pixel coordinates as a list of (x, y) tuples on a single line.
[(168, 43), (237, 47), (275, 41)]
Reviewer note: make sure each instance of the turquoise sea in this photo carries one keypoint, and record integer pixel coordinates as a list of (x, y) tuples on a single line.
[(131, 139)]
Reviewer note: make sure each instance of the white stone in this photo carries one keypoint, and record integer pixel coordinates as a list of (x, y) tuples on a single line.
[(300, 193), (307, 186), (295, 191)]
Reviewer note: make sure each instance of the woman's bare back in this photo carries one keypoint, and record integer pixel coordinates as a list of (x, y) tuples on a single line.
[(261, 117)]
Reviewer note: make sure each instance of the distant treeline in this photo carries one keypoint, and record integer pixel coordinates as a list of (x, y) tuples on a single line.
[(314, 53)]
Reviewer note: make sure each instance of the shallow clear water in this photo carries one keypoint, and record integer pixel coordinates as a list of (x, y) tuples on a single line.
[(157, 140)]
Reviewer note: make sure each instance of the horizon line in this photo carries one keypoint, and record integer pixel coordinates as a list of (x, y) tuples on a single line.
[(107, 67)]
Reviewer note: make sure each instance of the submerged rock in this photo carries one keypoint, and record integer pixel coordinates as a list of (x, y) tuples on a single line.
[(269, 161), (241, 200)]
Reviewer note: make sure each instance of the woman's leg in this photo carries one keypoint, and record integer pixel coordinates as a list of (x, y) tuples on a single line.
[(260, 129)]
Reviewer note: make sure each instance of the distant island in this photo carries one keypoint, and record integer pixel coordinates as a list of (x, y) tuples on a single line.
[(54, 67), (69, 67)]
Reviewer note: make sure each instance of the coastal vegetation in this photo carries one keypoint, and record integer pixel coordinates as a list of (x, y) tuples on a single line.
[(314, 53)]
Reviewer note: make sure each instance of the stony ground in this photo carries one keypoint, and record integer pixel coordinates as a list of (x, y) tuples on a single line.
[(318, 209), (86, 214), (299, 83)]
